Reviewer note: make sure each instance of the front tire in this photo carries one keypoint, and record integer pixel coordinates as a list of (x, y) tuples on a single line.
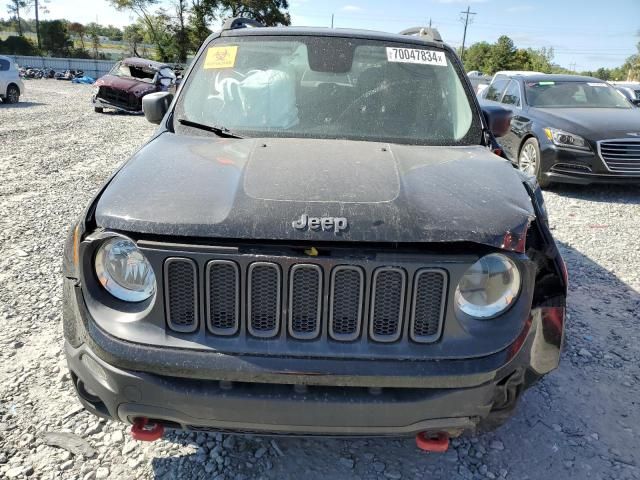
[(13, 94), (530, 162)]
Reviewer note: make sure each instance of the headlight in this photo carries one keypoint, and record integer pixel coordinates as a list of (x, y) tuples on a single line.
[(489, 287), (124, 271), (565, 139)]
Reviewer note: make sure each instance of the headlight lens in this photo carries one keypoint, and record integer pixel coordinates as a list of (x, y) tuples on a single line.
[(565, 139), (489, 287), (124, 271)]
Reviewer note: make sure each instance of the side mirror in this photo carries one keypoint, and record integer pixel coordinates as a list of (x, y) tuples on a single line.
[(498, 119), (155, 106)]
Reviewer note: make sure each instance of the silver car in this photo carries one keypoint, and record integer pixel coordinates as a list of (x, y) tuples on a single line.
[(11, 86)]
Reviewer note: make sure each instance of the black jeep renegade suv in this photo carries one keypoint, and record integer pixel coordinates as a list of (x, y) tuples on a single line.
[(319, 239)]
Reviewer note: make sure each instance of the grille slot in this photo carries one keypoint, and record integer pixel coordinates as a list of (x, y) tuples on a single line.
[(264, 306), (223, 297), (305, 301), (621, 156), (427, 312), (347, 292), (181, 297), (387, 301)]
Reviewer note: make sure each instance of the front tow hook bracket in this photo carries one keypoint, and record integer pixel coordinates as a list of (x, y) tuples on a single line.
[(145, 431), (430, 443)]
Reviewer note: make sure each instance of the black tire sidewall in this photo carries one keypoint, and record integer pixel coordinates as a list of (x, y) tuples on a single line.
[(542, 181), (10, 89)]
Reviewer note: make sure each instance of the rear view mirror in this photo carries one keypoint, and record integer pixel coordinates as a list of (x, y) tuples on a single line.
[(498, 119), (156, 105)]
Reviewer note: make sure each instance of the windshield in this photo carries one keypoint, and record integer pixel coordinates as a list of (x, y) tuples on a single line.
[(143, 74), (329, 87), (572, 94)]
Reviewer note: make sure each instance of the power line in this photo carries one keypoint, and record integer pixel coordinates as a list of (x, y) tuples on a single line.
[(466, 23)]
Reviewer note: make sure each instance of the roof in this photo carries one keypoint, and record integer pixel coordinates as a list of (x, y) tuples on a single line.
[(550, 77), (330, 32), (510, 73), (144, 62), (626, 84)]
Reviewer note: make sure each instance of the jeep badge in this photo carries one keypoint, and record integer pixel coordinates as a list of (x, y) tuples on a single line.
[(326, 224)]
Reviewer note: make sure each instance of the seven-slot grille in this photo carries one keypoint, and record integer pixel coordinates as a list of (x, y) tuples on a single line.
[(621, 155), (386, 304)]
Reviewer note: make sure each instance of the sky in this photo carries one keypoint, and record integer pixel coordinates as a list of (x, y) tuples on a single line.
[(585, 34)]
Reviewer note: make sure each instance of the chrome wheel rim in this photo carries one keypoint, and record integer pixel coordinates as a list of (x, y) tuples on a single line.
[(13, 95), (528, 162)]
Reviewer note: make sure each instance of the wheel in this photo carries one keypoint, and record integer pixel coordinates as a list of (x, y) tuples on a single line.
[(529, 162), (98, 109), (13, 94)]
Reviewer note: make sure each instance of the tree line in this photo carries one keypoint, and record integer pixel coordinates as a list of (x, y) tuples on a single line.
[(490, 58), (175, 30)]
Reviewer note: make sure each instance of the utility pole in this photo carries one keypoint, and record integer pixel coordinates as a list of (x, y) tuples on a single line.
[(429, 22), (466, 20), (37, 23), (332, 20)]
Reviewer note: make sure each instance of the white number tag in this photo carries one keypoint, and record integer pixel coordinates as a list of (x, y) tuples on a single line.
[(415, 55)]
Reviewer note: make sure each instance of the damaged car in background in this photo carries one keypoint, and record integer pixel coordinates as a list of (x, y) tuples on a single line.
[(128, 82), (328, 245)]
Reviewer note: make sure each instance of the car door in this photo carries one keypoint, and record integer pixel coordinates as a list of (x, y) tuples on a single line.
[(5, 65)]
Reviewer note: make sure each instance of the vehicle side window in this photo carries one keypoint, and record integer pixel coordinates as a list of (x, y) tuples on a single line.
[(494, 92), (4, 65), (512, 94)]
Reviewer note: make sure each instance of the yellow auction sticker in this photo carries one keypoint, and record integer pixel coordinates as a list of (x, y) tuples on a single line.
[(221, 57)]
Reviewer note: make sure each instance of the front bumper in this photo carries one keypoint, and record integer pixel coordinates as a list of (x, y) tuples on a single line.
[(102, 103), (213, 391), (276, 408), (583, 168)]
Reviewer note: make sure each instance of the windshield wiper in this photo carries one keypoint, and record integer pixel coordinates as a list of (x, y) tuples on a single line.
[(219, 131)]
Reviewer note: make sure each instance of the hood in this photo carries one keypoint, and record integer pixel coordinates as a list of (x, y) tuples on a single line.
[(257, 188), (592, 123), (129, 85)]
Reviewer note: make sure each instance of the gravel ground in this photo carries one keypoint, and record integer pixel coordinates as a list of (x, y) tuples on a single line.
[(582, 421)]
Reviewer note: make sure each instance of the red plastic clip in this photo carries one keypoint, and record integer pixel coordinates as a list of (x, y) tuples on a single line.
[(146, 432), (438, 444)]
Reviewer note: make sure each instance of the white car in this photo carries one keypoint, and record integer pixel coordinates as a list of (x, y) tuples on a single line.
[(11, 86)]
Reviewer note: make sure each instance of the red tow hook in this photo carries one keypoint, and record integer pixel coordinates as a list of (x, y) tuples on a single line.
[(429, 443), (146, 432)]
